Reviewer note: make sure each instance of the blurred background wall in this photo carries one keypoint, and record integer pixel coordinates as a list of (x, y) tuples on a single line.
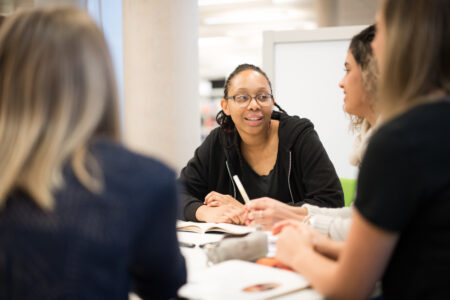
[(172, 56)]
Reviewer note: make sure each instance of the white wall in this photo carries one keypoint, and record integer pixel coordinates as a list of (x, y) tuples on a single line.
[(160, 50)]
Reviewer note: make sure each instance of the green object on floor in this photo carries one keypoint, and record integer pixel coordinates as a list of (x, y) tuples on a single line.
[(349, 188)]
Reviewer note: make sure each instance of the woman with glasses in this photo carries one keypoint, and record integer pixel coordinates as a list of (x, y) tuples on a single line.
[(400, 231), (275, 155)]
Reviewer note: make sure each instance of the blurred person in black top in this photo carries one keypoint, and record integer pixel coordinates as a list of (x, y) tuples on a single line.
[(401, 227)]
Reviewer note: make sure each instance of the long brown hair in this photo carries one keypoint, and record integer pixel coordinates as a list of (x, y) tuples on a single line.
[(57, 91), (416, 60)]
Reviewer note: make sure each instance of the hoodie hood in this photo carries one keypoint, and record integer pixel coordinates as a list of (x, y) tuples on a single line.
[(291, 127)]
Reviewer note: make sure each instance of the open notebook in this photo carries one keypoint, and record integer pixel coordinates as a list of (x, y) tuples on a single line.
[(236, 279), (213, 227)]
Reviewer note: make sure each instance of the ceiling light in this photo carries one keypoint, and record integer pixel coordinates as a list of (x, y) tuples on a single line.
[(309, 25), (217, 41), (290, 1), (220, 2), (254, 16)]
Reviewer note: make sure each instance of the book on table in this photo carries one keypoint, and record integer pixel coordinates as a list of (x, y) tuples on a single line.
[(237, 279), (213, 227)]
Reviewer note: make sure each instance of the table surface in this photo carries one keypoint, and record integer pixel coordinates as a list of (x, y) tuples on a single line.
[(196, 260)]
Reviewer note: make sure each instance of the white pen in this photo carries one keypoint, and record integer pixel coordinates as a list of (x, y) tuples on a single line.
[(241, 189)]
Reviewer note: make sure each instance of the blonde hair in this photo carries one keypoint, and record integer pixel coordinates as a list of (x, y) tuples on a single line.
[(57, 92), (416, 60)]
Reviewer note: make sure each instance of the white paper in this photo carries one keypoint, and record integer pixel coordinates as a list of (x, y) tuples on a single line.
[(236, 279), (219, 227)]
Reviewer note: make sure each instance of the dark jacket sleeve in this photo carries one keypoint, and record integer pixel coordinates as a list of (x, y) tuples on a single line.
[(193, 180), (320, 182), (158, 269)]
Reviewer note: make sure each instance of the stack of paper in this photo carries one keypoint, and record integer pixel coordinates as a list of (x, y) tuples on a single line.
[(235, 279)]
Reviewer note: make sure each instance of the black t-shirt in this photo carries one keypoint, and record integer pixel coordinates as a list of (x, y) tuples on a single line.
[(260, 185), (404, 187)]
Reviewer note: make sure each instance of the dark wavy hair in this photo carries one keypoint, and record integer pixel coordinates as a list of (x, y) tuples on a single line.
[(360, 47), (225, 122)]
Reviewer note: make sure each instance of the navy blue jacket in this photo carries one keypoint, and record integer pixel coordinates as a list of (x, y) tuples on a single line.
[(96, 246)]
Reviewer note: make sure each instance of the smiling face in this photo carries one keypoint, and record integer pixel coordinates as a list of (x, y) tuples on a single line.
[(252, 118), (353, 87)]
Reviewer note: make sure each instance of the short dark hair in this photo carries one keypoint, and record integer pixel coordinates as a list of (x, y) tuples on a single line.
[(225, 122), (239, 69)]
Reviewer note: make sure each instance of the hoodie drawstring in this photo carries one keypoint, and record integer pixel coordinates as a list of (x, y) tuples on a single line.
[(231, 178), (289, 176)]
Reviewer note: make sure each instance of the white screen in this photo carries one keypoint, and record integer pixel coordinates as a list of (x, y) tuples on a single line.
[(306, 77)]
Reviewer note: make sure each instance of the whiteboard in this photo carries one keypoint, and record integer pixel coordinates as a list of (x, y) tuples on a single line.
[(305, 68)]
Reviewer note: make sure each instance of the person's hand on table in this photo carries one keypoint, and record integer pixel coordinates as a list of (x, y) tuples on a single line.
[(267, 211), (214, 199), (321, 243), (226, 213), (278, 227), (294, 240)]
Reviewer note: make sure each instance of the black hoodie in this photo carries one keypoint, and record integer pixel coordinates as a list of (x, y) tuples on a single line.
[(306, 173)]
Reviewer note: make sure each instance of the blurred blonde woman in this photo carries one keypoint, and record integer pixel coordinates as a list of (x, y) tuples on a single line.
[(400, 228), (79, 214)]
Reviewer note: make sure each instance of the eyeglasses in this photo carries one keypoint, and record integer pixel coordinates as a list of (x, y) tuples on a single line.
[(245, 99)]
